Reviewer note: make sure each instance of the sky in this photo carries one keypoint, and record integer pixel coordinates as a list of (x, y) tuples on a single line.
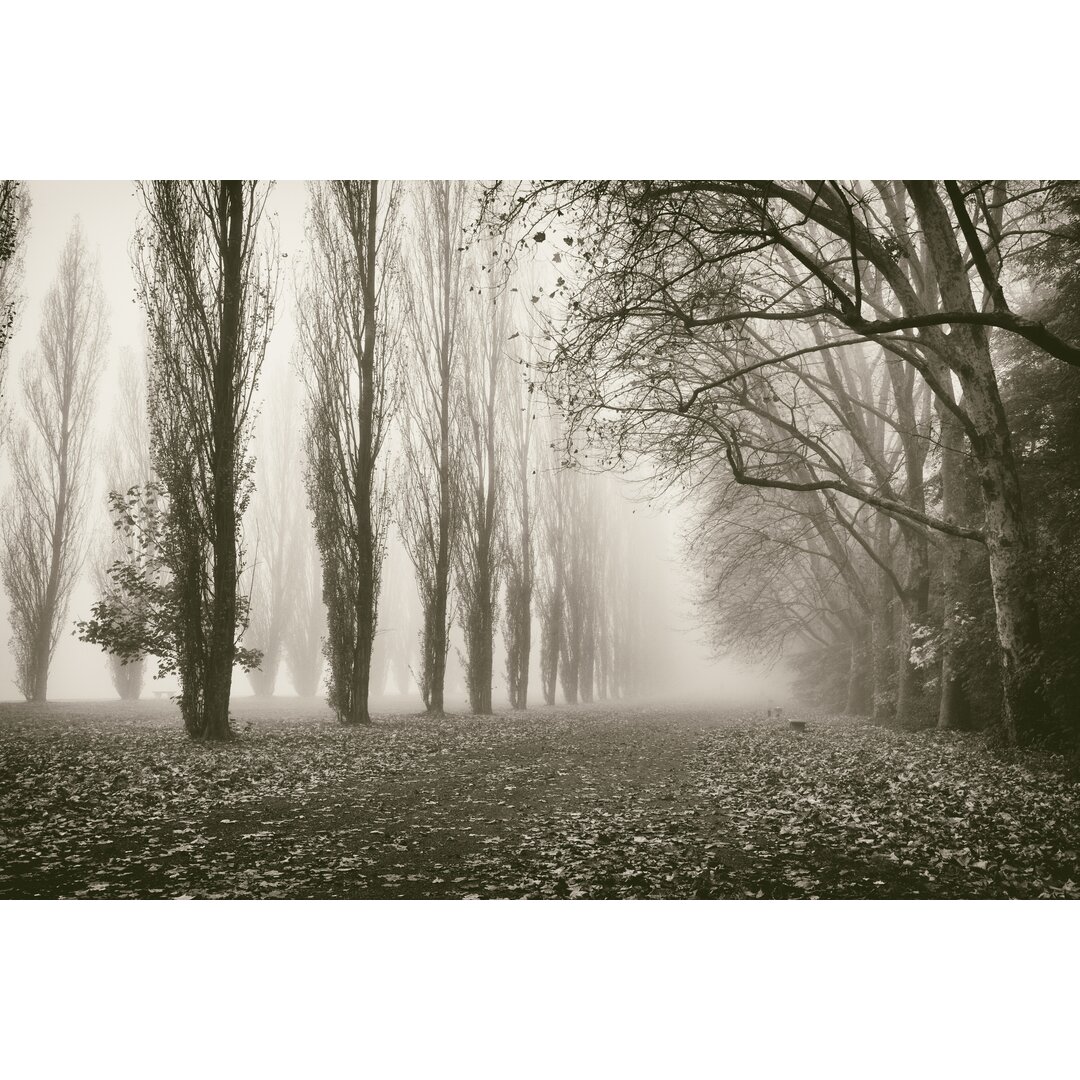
[(109, 213)]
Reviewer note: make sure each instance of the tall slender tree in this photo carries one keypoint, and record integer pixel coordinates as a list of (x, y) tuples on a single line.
[(208, 285), (518, 528), (480, 486), (350, 331), (436, 312), (43, 542), (553, 514)]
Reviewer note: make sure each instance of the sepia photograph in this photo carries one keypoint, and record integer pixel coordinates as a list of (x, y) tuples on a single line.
[(464, 535), (609, 539)]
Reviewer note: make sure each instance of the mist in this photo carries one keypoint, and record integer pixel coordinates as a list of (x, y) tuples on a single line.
[(681, 664)]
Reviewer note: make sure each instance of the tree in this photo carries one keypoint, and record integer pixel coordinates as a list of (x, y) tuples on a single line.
[(479, 487), (208, 287), (517, 538), (753, 269), (436, 311), (551, 579), (350, 331), (43, 545), (127, 465)]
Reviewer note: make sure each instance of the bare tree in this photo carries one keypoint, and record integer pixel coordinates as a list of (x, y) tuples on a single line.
[(43, 547), (208, 287), (518, 543), (920, 269), (350, 331), (429, 525), (551, 579)]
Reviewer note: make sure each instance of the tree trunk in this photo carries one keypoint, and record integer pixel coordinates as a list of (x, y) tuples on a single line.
[(859, 692), (520, 644), (552, 632), (905, 672), (1007, 539), (952, 708), (43, 644), (1016, 609), (367, 554), (586, 671), (222, 645), (881, 634)]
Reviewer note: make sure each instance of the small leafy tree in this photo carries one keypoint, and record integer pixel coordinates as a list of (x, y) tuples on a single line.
[(136, 615)]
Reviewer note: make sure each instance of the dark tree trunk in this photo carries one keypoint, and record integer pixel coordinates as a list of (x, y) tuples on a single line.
[(881, 652), (367, 554), (551, 643), (222, 644), (953, 709)]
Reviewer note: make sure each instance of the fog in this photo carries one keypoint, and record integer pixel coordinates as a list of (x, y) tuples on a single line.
[(678, 660)]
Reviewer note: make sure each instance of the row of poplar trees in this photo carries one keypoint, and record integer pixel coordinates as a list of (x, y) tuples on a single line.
[(422, 413)]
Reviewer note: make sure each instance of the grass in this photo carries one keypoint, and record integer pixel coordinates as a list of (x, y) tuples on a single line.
[(111, 800)]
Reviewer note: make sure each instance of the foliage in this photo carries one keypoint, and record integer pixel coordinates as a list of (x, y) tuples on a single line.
[(137, 615), (14, 223)]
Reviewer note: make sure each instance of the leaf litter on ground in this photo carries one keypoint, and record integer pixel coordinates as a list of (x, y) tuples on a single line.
[(111, 800)]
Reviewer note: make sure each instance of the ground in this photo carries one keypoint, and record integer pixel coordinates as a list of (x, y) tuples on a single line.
[(112, 800)]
